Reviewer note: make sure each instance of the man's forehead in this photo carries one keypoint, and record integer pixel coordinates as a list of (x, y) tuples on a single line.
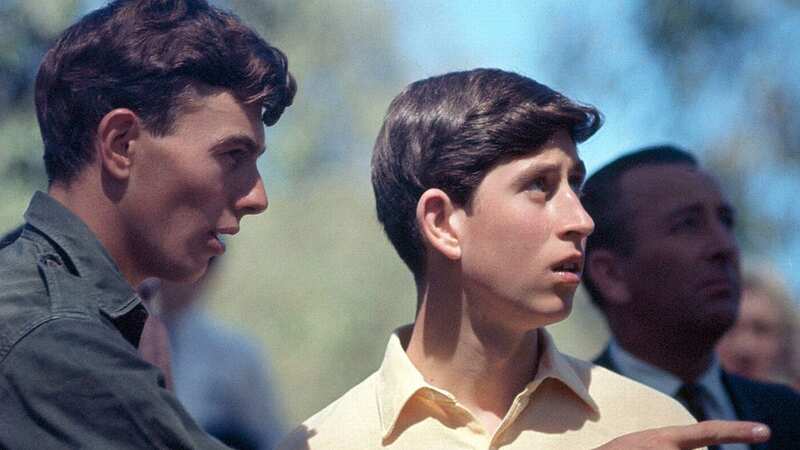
[(663, 185)]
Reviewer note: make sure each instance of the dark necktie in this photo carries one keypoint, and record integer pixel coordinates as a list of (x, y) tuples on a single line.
[(690, 394)]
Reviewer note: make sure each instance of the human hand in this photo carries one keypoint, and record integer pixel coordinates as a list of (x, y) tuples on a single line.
[(710, 432)]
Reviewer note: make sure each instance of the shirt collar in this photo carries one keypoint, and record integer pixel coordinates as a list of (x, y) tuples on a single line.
[(711, 380), (663, 381), (398, 380), (554, 365), (84, 254)]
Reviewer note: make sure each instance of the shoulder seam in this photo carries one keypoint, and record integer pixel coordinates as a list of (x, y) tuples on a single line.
[(5, 350)]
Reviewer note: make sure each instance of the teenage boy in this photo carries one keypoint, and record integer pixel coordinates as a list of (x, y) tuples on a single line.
[(477, 184)]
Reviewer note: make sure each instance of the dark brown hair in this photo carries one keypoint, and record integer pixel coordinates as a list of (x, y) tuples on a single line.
[(146, 56), (448, 131), (602, 199)]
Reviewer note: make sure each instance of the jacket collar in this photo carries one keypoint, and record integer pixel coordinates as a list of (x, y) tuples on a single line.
[(83, 254)]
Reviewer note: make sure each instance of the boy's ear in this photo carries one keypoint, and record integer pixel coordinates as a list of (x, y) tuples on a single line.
[(607, 275), (115, 133), (437, 218)]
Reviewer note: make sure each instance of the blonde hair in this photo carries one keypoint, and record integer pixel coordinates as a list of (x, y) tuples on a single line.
[(766, 280)]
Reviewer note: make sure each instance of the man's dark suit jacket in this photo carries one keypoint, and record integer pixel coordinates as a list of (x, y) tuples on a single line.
[(775, 405)]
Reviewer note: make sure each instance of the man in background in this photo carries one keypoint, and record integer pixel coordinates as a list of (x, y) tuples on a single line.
[(663, 267), (152, 115)]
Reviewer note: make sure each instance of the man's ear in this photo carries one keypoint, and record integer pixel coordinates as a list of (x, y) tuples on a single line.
[(437, 220), (608, 276), (116, 131)]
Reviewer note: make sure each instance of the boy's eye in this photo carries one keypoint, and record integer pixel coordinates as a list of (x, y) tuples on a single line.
[(538, 184)]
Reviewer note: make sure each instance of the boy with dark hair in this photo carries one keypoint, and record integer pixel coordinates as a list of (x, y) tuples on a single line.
[(152, 114), (477, 183)]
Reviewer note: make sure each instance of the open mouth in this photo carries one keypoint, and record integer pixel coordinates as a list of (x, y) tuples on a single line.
[(568, 267), (573, 264), (568, 271), (217, 242)]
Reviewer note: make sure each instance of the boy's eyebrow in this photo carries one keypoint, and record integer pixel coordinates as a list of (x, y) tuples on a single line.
[(536, 169), (240, 140), (533, 170)]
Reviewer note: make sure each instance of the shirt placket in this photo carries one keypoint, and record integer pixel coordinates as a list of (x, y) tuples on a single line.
[(449, 405), (519, 405)]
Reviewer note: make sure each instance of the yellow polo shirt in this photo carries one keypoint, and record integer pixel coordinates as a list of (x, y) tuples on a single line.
[(570, 404)]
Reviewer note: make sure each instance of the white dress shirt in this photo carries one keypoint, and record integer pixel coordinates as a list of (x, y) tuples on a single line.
[(715, 399)]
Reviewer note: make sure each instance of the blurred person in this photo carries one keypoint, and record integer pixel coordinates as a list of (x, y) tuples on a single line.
[(762, 344), (154, 341), (663, 267), (477, 183), (152, 115), (236, 405)]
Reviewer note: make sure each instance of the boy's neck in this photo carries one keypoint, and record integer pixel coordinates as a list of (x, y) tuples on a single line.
[(484, 365)]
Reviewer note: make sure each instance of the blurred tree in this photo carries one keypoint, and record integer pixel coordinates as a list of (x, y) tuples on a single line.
[(27, 28), (720, 79), (744, 54), (347, 70)]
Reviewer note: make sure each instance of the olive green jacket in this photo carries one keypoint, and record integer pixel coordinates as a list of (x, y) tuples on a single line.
[(70, 374)]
